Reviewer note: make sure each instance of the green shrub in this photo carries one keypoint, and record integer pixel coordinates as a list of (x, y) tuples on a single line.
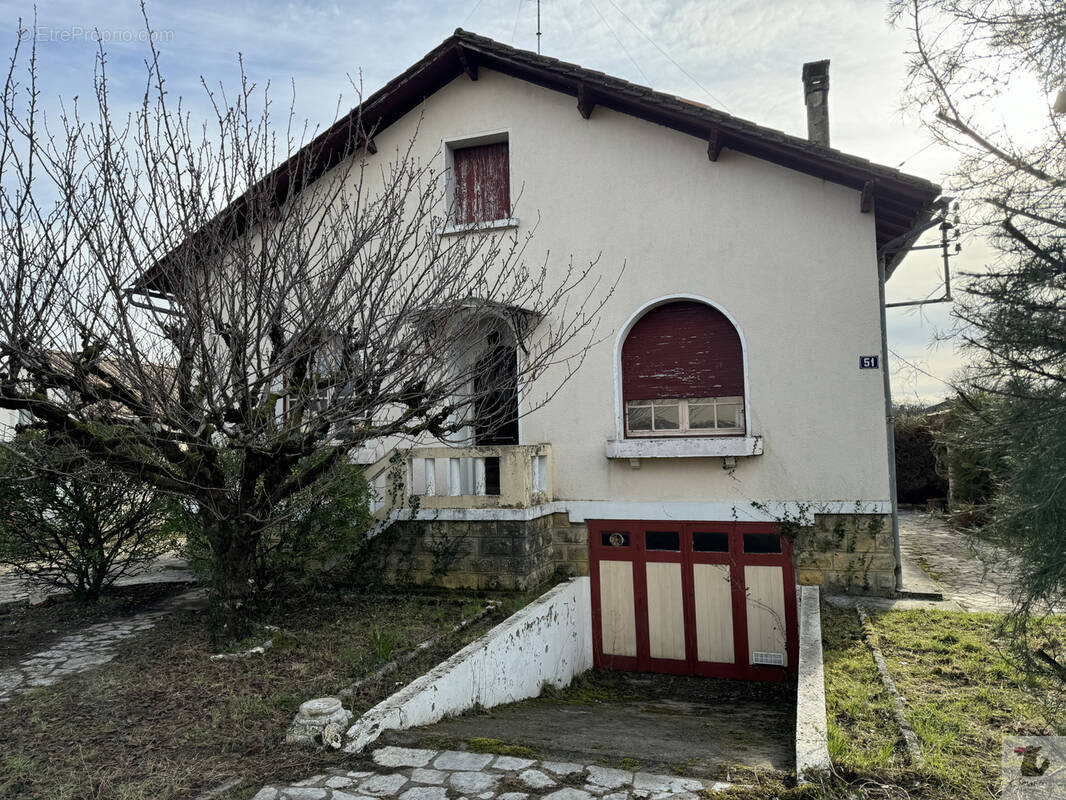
[(317, 531), (918, 475), (974, 444), (382, 642), (68, 522)]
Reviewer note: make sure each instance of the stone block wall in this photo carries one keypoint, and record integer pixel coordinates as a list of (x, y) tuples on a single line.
[(847, 553), (841, 553), (570, 546), (497, 554)]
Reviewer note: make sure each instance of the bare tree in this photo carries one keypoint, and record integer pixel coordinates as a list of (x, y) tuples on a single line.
[(971, 61), (239, 311)]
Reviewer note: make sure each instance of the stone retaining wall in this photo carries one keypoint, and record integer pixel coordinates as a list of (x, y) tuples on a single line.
[(570, 546), (492, 554), (849, 553), (841, 553)]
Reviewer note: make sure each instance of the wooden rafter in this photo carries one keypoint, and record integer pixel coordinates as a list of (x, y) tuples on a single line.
[(466, 59), (866, 200), (585, 101), (715, 143)]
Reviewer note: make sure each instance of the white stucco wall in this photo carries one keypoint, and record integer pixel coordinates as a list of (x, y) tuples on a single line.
[(548, 641), (788, 256)]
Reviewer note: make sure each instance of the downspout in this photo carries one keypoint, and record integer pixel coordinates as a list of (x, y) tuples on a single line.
[(890, 419), (897, 245)]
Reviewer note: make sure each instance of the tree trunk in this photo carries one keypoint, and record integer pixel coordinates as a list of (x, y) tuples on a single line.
[(233, 549)]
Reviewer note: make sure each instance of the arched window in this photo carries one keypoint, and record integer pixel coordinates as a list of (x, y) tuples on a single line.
[(683, 373)]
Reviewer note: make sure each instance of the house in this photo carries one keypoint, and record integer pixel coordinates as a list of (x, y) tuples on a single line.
[(9, 421), (727, 438)]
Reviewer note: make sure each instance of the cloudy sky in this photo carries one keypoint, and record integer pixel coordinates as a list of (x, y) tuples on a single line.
[(743, 56)]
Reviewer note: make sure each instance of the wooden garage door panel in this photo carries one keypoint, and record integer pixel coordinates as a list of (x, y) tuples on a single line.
[(714, 612), (618, 625), (766, 611), (666, 611)]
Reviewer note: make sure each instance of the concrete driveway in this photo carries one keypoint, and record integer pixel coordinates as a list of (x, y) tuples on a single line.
[(700, 727)]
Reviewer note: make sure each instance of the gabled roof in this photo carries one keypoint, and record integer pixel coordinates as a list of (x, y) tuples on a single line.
[(898, 200)]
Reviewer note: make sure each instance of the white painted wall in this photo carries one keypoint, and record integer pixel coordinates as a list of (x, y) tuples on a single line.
[(548, 641), (789, 257)]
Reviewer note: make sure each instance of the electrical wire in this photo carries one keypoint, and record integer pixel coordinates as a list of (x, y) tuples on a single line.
[(923, 371), (466, 19), (624, 50), (912, 155), (666, 55), (517, 13)]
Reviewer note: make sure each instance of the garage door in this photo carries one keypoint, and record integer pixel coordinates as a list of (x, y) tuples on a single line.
[(702, 598)]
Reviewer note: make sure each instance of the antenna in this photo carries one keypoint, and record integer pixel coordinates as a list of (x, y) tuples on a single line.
[(538, 27)]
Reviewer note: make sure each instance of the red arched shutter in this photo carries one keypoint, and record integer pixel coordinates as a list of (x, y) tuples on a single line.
[(683, 349)]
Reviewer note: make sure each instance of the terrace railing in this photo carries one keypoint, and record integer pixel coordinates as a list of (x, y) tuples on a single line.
[(487, 476)]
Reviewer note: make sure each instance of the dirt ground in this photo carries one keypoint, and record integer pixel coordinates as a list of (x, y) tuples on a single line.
[(164, 721), (703, 727)]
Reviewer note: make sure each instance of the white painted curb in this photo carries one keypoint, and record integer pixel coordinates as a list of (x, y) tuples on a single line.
[(548, 641), (812, 749)]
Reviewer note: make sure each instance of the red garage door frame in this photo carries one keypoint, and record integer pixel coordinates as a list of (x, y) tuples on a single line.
[(735, 558)]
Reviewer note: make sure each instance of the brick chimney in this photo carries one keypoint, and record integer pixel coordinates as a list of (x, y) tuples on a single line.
[(816, 97)]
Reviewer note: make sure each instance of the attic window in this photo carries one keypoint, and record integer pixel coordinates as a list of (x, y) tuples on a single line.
[(480, 183)]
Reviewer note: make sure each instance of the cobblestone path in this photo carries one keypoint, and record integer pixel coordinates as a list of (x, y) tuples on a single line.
[(416, 774), (75, 653)]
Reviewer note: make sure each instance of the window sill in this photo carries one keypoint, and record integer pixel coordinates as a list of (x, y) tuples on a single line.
[(476, 227), (685, 447)]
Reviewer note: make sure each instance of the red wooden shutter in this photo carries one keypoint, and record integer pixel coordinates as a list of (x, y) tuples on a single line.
[(482, 183), (682, 349)]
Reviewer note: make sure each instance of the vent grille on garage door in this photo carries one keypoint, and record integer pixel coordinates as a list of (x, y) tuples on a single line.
[(774, 659)]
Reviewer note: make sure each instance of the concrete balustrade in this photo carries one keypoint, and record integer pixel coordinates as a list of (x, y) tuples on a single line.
[(455, 477)]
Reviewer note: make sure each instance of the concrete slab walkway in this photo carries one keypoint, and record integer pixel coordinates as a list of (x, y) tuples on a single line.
[(972, 574), (429, 774)]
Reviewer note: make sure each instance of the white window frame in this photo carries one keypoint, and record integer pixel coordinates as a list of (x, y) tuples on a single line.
[(684, 428), (448, 147)]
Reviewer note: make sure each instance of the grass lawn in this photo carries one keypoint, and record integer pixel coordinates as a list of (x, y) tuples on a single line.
[(961, 698), (164, 721)]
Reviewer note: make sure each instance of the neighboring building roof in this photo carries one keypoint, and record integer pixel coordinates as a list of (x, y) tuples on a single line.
[(898, 201)]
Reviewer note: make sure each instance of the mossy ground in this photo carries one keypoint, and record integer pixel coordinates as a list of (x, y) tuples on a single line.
[(480, 744)]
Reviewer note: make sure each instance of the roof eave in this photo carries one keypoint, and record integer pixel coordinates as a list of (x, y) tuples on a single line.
[(900, 201)]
